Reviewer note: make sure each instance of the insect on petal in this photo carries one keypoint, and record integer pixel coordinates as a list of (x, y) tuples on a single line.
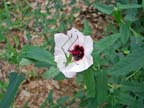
[(73, 52)]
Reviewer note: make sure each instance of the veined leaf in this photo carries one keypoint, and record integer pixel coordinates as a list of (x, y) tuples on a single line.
[(127, 100), (38, 54), (133, 86), (143, 4), (131, 15), (25, 62), (51, 73), (105, 43), (60, 76), (117, 15), (101, 87), (90, 82), (124, 32), (132, 62), (104, 8), (87, 29), (15, 80), (128, 6)]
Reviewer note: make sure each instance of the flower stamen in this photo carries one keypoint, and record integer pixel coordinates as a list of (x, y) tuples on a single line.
[(77, 52)]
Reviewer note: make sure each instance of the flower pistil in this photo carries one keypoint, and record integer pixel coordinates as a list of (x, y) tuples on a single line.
[(77, 53)]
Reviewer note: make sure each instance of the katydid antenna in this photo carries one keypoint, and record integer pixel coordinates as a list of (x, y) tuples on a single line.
[(69, 57)]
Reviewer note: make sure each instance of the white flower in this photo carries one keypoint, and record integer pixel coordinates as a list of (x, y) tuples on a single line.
[(73, 52)]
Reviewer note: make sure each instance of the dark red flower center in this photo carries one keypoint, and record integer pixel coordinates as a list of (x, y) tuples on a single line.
[(77, 52)]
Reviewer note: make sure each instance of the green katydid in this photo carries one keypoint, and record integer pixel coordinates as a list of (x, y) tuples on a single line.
[(69, 57)]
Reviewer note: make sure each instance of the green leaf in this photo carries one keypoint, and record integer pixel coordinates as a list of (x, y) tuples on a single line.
[(87, 29), (131, 15), (128, 6), (127, 99), (87, 2), (62, 27), (28, 36), (51, 73), (25, 62), (72, 2), (7, 12), (60, 76), (1, 37), (15, 80), (90, 82), (25, 104), (101, 87), (133, 87), (49, 100), (117, 14), (38, 54), (110, 29), (104, 8), (62, 100), (132, 62), (16, 40), (79, 78), (143, 4), (105, 43), (3, 85), (91, 102), (124, 32)]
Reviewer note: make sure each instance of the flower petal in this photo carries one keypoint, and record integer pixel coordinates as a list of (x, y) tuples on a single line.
[(64, 69), (88, 45), (69, 74), (81, 65), (77, 36), (60, 38)]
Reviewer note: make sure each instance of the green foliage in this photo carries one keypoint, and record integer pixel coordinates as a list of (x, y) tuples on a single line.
[(124, 32), (135, 87), (3, 86), (104, 8), (101, 87), (129, 63), (105, 43), (11, 54), (48, 100), (14, 82), (90, 82), (143, 4), (37, 54), (51, 73), (128, 6), (87, 29)]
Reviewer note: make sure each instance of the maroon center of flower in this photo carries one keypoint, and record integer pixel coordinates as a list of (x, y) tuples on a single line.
[(77, 52)]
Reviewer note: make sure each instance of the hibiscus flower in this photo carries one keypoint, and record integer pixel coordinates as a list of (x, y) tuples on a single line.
[(73, 52)]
